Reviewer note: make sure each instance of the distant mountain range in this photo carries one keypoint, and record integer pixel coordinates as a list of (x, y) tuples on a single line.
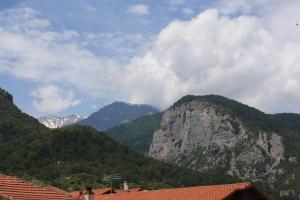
[(74, 157), (219, 138), (117, 113), (52, 121)]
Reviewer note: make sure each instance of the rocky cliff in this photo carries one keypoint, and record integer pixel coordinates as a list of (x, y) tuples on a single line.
[(208, 136), (73, 157)]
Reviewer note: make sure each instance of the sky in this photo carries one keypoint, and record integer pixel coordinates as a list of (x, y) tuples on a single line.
[(74, 56)]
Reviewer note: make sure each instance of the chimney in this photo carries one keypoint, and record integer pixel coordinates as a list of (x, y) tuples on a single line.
[(80, 196), (126, 186), (88, 194)]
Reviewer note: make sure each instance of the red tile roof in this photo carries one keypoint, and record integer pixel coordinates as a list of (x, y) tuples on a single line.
[(213, 192), (16, 189), (105, 191)]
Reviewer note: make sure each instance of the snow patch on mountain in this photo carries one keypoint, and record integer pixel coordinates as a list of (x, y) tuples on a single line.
[(52, 121)]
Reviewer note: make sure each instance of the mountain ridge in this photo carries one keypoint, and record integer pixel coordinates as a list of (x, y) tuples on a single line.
[(52, 121), (238, 136), (76, 156), (214, 133), (138, 133), (117, 113)]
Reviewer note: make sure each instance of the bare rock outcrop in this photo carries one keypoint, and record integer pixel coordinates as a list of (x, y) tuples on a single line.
[(204, 137)]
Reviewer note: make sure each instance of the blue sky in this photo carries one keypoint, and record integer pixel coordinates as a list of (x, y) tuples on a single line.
[(93, 16), (74, 56)]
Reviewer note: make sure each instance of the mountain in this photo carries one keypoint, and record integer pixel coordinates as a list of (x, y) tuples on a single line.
[(74, 157), (12, 121), (51, 121), (291, 120), (115, 114), (215, 134), (138, 133)]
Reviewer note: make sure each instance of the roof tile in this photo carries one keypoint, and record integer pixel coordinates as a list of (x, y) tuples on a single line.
[(213, 192), (17, 189)]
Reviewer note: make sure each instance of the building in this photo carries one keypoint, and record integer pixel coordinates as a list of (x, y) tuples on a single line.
[(239, 191), (15, 189)]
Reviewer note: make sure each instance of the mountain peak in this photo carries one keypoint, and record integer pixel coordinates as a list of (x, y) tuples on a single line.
[(122, 103), (218, 99), (118, 103), (6, 95), (117, 113), (52, 121)]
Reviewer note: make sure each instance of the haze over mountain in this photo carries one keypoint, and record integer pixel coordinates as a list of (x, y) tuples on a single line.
[(52, 121), (117, 113)]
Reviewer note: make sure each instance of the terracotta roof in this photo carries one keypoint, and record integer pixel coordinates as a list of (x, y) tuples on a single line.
[(105, 191), (16, 189), (213, 192)]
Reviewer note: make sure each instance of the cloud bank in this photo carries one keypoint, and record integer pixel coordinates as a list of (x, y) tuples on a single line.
[(252, 58), (249, 51), (139, 9), (30, 49), (53, 99)]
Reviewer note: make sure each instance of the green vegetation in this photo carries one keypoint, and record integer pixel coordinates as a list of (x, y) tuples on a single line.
[(137, 134), (76, 156), (115, 114), (290, 120), (12, 121), (287, 125), (251, 117)]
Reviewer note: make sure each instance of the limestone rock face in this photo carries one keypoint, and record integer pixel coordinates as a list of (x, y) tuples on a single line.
[(204, 137)]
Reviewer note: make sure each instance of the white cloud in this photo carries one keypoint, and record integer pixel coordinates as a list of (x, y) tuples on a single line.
[(187, 11), (53, 99), (177, 5), (89, 7), (177, 2), (30, 49), (139, 9), (254, 59), (119, 44), (248, 6)]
